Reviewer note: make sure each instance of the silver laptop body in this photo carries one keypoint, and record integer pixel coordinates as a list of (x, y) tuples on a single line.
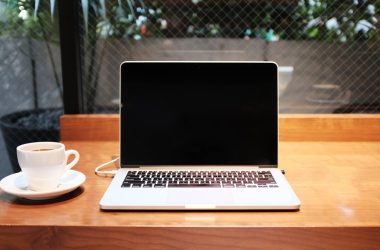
[(199, 136)]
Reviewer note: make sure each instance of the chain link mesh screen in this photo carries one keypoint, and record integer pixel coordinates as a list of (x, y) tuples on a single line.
[(328, 51), (30, 78)]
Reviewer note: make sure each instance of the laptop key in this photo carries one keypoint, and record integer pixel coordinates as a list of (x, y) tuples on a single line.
[(131, 179), (133, 176), (137, 183), (228, 185), (160, 185), (173, 185)]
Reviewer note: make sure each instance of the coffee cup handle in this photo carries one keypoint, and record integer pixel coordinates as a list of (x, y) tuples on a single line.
[(73, 162)]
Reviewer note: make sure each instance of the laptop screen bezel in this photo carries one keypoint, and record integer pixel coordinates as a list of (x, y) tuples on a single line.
[(122, 111)]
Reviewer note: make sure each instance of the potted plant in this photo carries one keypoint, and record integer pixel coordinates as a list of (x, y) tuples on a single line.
[(26, 32), (107, 22), (31, 22)]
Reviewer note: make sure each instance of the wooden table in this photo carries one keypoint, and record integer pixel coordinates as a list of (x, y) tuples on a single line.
[(336, 181)]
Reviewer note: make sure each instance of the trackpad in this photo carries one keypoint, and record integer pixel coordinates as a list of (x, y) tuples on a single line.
[(200, 196)]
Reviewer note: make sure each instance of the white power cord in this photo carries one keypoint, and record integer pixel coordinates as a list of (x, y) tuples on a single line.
[(106, 173)]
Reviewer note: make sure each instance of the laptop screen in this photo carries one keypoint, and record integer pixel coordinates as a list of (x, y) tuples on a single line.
[(199, 113)]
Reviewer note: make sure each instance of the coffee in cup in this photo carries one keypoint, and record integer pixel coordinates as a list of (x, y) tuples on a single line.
[(42, 149), (43, 163)]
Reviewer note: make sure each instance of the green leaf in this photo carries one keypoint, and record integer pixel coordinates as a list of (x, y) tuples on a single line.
[(313, 33), (11, 3), (130, 4), (52, 5), (36, 5), (85, 13), (103, 8)]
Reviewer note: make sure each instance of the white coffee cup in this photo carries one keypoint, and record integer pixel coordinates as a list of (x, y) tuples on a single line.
[(43, 163)]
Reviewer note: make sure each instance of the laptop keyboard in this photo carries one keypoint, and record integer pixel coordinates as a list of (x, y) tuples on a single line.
[(209, 179)]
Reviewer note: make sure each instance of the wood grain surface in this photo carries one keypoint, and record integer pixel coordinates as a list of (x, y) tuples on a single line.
[(291, 127), (330, 127), (337, 183), (54, 237), (90, 127)]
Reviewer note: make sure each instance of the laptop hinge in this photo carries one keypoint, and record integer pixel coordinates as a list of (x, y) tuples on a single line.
[(261, 166), (268, 166), (272, 166), (131, 166)]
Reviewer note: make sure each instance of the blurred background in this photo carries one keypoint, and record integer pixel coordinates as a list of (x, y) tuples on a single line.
[(328, 53)]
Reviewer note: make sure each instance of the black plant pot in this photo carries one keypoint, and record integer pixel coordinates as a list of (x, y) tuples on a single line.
[(29, 126)]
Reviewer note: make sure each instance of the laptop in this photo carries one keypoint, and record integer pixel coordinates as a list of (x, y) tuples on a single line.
[(199, 136)]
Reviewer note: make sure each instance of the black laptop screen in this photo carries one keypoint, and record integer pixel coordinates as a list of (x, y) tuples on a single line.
[(199, 113)]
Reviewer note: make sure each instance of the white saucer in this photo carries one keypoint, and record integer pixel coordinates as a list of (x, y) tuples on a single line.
[(17, 185)]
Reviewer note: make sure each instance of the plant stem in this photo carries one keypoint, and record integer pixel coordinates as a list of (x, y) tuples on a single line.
[(99, 63), (93, 66), (91, 48), (34, 80), (54, 70), (57, 82)]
